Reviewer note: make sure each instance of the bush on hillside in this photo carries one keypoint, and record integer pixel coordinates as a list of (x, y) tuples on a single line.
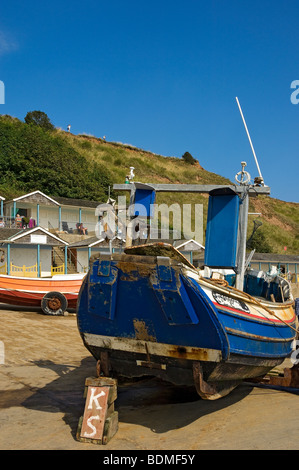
[(187, 157), (40, 119), (259, 243)]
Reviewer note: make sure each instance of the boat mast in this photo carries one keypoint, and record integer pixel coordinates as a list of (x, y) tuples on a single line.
[(243, 214), (261, 179), (243, 223)]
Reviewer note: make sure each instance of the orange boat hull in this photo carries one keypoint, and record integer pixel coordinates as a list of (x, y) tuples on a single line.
[(30, 291)]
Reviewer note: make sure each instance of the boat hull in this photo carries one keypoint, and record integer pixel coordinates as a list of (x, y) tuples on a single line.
[(30, 292), (149, 315), (211, 379)]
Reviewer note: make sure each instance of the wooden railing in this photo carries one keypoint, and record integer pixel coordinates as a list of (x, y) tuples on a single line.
[(57, 270), (3, 269), (29, 271), (24, 271), (292, 277)]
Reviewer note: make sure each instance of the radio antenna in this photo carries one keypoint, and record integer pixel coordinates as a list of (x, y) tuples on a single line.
[(260, 179)]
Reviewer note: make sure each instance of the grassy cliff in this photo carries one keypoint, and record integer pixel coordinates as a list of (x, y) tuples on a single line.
[(63, 164), (280, 220)]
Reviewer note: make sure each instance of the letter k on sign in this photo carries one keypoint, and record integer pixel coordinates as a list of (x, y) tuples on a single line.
[(94, 399)]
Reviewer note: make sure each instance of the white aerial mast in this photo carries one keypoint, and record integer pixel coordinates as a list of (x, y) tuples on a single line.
[(261, 179)]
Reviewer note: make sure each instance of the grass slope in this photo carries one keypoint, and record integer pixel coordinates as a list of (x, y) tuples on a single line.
[(63, 164), (280, 220)]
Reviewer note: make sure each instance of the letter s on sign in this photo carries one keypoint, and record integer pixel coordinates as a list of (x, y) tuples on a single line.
[(294, 99), (94, 429)]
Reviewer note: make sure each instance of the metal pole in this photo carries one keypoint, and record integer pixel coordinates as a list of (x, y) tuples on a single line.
[(242, 235), (8, 258), (195, 188), (89, 254), (59, 218), (65, 259), (258, 168), (129, 234)]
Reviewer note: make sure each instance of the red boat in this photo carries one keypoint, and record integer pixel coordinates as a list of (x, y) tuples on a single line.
[(54, 294)]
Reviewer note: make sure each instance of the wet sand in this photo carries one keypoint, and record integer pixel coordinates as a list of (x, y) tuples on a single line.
[(41, 400)]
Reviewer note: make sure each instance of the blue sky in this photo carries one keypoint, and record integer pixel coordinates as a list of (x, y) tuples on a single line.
[(163, 76)]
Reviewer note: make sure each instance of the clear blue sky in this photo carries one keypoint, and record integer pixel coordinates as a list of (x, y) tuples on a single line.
[(163, 76)]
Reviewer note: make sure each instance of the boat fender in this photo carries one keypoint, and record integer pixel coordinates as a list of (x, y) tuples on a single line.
[(286, 289), (54, 303)]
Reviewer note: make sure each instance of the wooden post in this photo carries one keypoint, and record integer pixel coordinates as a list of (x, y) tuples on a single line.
[(99, 422)]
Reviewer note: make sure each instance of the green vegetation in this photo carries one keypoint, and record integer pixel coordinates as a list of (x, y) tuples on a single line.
[(62, 164), (32, 158), (257, 241)]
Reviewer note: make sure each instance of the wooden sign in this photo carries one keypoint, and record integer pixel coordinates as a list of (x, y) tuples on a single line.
[(95, 412), (99, 422)]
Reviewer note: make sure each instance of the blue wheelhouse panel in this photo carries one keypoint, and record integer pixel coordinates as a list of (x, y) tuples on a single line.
[(222, 230)]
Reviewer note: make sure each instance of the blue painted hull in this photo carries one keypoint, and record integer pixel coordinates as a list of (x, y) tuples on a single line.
[(147, 315)]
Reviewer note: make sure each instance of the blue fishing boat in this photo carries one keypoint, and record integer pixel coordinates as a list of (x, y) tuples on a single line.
[(149, 311)]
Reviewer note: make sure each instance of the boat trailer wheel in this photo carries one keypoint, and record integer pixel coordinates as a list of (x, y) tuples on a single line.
[(54, 303)]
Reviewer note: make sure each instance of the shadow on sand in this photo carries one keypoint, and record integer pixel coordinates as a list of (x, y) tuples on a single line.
[(149, 402)]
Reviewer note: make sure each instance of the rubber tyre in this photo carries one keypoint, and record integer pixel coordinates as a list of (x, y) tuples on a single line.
[(54, 303)]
